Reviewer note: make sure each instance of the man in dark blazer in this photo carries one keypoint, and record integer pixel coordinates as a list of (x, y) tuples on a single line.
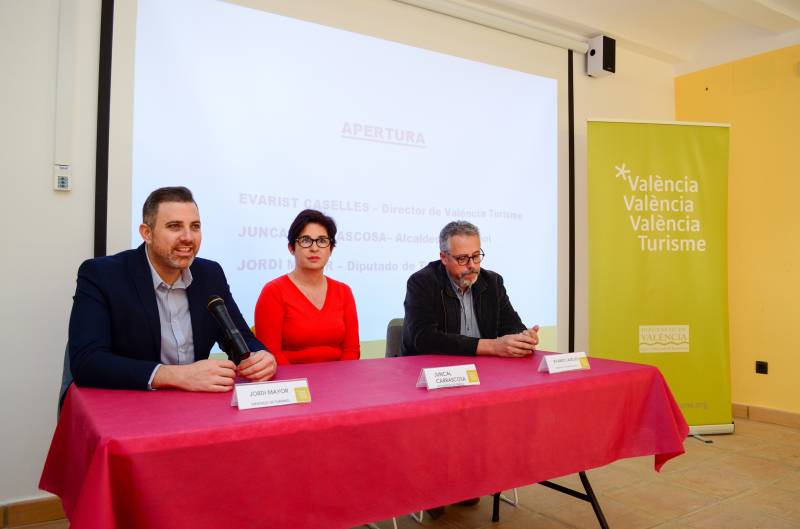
[(139, 318), (453, 307)]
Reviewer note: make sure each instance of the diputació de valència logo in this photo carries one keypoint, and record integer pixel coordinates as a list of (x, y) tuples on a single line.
[(662, 212), (663, 338)]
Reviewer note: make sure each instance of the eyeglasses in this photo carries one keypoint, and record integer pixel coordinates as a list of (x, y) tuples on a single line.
[(464, 259), (306, 242)]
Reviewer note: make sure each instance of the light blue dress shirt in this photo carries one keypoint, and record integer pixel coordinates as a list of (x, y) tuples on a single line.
[(469, 322), (177, 340)]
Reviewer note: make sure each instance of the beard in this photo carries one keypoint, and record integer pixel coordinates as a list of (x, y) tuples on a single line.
[(180, 263), (467, 279)]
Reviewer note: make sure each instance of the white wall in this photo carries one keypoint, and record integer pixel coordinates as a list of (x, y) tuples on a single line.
[(48, 234), (642, 89)]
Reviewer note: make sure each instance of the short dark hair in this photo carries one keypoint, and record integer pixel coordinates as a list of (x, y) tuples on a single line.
[(164, 194), (312, 216)]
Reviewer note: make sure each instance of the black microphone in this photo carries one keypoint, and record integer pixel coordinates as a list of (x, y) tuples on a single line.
[(237, 347)]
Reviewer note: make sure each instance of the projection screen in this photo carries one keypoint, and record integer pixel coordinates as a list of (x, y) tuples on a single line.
[(392, 119)]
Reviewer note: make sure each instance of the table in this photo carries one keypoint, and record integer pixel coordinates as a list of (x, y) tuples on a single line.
[(369, 446)]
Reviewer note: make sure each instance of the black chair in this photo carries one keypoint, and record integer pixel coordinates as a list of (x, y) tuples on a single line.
[(66, 379), (394, 337)]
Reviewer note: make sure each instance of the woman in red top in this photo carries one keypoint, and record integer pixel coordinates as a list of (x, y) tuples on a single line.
[(304, 316)]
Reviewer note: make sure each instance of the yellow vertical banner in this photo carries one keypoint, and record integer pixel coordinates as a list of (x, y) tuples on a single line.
[(658, 257)]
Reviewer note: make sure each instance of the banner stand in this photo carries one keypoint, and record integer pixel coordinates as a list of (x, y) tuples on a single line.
[(712, 429), (658, 258)]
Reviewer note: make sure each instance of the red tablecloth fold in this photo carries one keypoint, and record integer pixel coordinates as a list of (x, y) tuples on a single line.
[(370, 445)]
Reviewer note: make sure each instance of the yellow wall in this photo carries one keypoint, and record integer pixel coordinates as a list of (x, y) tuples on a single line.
[(760, 98)]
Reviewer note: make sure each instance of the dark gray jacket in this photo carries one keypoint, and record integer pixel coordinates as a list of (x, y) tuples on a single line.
[(432, 323)]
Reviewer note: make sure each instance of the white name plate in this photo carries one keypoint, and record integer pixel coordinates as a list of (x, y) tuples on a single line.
[(263, 394), (558, 363), (448, 377)]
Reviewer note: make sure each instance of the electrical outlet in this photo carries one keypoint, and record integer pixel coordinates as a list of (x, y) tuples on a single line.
[(762, 367)]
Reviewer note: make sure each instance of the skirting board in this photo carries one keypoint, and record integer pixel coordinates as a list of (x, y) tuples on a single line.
[(740, 411), (32, 511), (769, 415)]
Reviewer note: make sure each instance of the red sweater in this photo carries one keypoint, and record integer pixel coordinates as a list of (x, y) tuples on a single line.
[(297, 332)]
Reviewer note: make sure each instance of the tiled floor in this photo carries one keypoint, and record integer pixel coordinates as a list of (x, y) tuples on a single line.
[(747, 480)]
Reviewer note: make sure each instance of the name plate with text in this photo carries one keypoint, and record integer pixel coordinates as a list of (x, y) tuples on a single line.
[(448, 377), (264, 394), (558, 363)]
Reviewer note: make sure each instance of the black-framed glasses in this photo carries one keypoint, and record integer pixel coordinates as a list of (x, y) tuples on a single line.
[(306, 242), (464, 259)]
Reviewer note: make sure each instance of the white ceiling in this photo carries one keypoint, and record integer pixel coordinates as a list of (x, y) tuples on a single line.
[(690, 34)]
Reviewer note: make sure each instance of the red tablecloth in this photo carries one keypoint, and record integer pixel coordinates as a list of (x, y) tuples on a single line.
[(369, 446)]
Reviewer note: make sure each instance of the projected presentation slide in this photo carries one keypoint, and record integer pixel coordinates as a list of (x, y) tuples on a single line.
[(263, 115)]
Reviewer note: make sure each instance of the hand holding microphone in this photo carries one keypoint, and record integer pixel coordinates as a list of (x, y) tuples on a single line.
[(259, 367)]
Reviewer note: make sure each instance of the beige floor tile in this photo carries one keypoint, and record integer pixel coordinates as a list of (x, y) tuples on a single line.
[(712, 479), (768, 432), (604, 479), (538, 497), (612, 477), (736, 442), (644, 467), (674, 524), (481, 515), (731, 514), (696, 453), (528, 520), (790, 482), (748, 426), (571, 480), (663, 500), (757, 469), (619, 515), (553, 504), (692, 444), (783, 453), (774, 501)]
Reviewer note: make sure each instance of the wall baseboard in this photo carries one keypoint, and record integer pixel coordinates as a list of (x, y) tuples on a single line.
[(31, 512), (740, 411), (781, 417), (768, 415)]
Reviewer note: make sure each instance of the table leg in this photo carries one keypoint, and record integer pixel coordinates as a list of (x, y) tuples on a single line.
[(588, 496)]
